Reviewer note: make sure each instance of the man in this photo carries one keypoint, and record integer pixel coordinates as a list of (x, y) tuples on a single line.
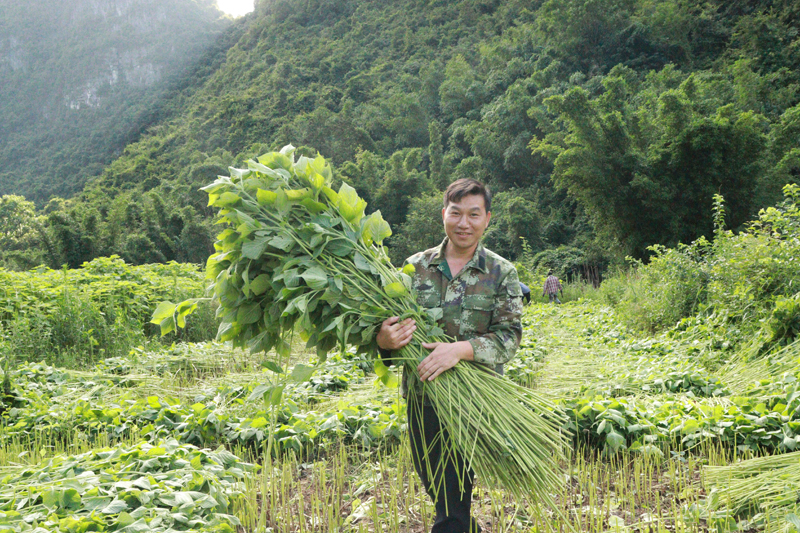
[(479, 294), (551, 288), (526, 292)]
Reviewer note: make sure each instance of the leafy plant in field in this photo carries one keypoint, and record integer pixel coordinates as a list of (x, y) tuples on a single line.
[(52, 405), (76, 317), (163, 487)]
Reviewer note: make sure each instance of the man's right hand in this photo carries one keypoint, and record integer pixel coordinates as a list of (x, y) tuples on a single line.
[(393, 335)]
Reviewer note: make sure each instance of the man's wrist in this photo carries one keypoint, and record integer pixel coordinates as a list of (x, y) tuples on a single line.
[(465, 351)]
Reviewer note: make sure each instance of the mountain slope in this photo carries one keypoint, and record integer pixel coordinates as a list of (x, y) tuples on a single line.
[(603, 128), (79, 79)]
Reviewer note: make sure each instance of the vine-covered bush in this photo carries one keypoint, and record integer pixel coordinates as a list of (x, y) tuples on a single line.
[(75, 317)]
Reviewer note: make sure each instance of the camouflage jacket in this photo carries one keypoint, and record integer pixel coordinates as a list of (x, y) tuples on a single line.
[(482, 304)]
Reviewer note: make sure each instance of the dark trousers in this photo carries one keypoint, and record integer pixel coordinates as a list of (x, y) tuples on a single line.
[(450, 487)]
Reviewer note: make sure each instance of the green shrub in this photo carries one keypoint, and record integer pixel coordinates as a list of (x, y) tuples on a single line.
[(671, 287), (75, 317)]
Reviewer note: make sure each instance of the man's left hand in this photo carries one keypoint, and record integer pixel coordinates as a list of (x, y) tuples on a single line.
[(444, 356)]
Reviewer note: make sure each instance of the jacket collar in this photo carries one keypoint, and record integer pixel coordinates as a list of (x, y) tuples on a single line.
[(478, 260)]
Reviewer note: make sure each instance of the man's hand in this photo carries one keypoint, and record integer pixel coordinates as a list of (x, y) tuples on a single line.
[(444, 356), (393, 335)]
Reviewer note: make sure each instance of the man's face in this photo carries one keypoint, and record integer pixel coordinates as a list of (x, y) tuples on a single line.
[(465, 221)]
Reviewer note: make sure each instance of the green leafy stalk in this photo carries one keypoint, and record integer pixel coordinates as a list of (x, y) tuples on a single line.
[(298, 256)]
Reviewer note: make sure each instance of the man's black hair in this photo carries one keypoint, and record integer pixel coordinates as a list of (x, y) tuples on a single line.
[(467, 187)]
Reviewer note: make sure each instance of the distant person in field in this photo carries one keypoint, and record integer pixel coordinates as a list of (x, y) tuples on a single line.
[(526, 292), (481, 301), (552, 287)]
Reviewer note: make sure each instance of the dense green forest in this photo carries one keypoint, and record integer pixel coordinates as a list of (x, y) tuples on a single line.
[(602, 127), (80, 79)]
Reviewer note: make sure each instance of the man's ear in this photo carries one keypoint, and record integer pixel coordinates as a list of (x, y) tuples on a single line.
[(443, 210), (488, 218)]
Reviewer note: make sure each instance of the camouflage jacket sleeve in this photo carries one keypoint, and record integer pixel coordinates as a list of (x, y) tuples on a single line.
[(500, 343)]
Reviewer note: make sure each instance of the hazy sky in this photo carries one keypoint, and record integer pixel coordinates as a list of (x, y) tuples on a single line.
[(236, 8)]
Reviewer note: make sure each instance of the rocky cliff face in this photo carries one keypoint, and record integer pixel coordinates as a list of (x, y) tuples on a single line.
[(70, 69)]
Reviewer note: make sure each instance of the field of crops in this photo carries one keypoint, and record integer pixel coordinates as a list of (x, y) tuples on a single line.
[(176, 437), (677, 382)]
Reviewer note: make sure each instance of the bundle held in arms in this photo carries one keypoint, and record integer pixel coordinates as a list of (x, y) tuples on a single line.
[(297, 255)]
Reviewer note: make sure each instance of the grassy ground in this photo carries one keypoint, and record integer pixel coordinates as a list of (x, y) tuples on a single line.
[(360, 478)]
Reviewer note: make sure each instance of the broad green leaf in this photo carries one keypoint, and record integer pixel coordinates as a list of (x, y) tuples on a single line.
[(395, 290), (331, 195), (277, 160), (348, 195), (164, 310), (277, 395), (315, 277), (282, 203), (282, 242), (361, 262), (124, 520), (295, 195), (259, 392), (385, 375), (266, 197), (615, 441), (260, 284), (435, 313), (167, 325), (249, 313), (50, 498), (409, 269), (313, 206), (301, 373), (315, 179), (254, 249), (115, 507), (273, 366), (227, 199), (348, 212), (375, 229), (340, 247)]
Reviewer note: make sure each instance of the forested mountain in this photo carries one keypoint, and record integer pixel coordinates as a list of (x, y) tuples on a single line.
[(603, 127), (80, 79)]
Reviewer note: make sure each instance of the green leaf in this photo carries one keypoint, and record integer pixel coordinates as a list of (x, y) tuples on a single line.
[(50, 499), (282, 203), (615, 441), (315, 277), (115, 507), (282, 242), (395, 290), (249, 313), (266, 198), (167, 325), (339, 247), (435, 313), (273, 366), (361, 262), (348, 195), (260, 284), (124, 520), (227, 199), (374, 229), (255, 248), (301, 373), (164, 310), (276, 395), (313, 206), (259, 392)]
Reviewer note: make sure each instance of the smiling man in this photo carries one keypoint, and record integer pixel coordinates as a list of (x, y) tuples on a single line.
[(481, 301)]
